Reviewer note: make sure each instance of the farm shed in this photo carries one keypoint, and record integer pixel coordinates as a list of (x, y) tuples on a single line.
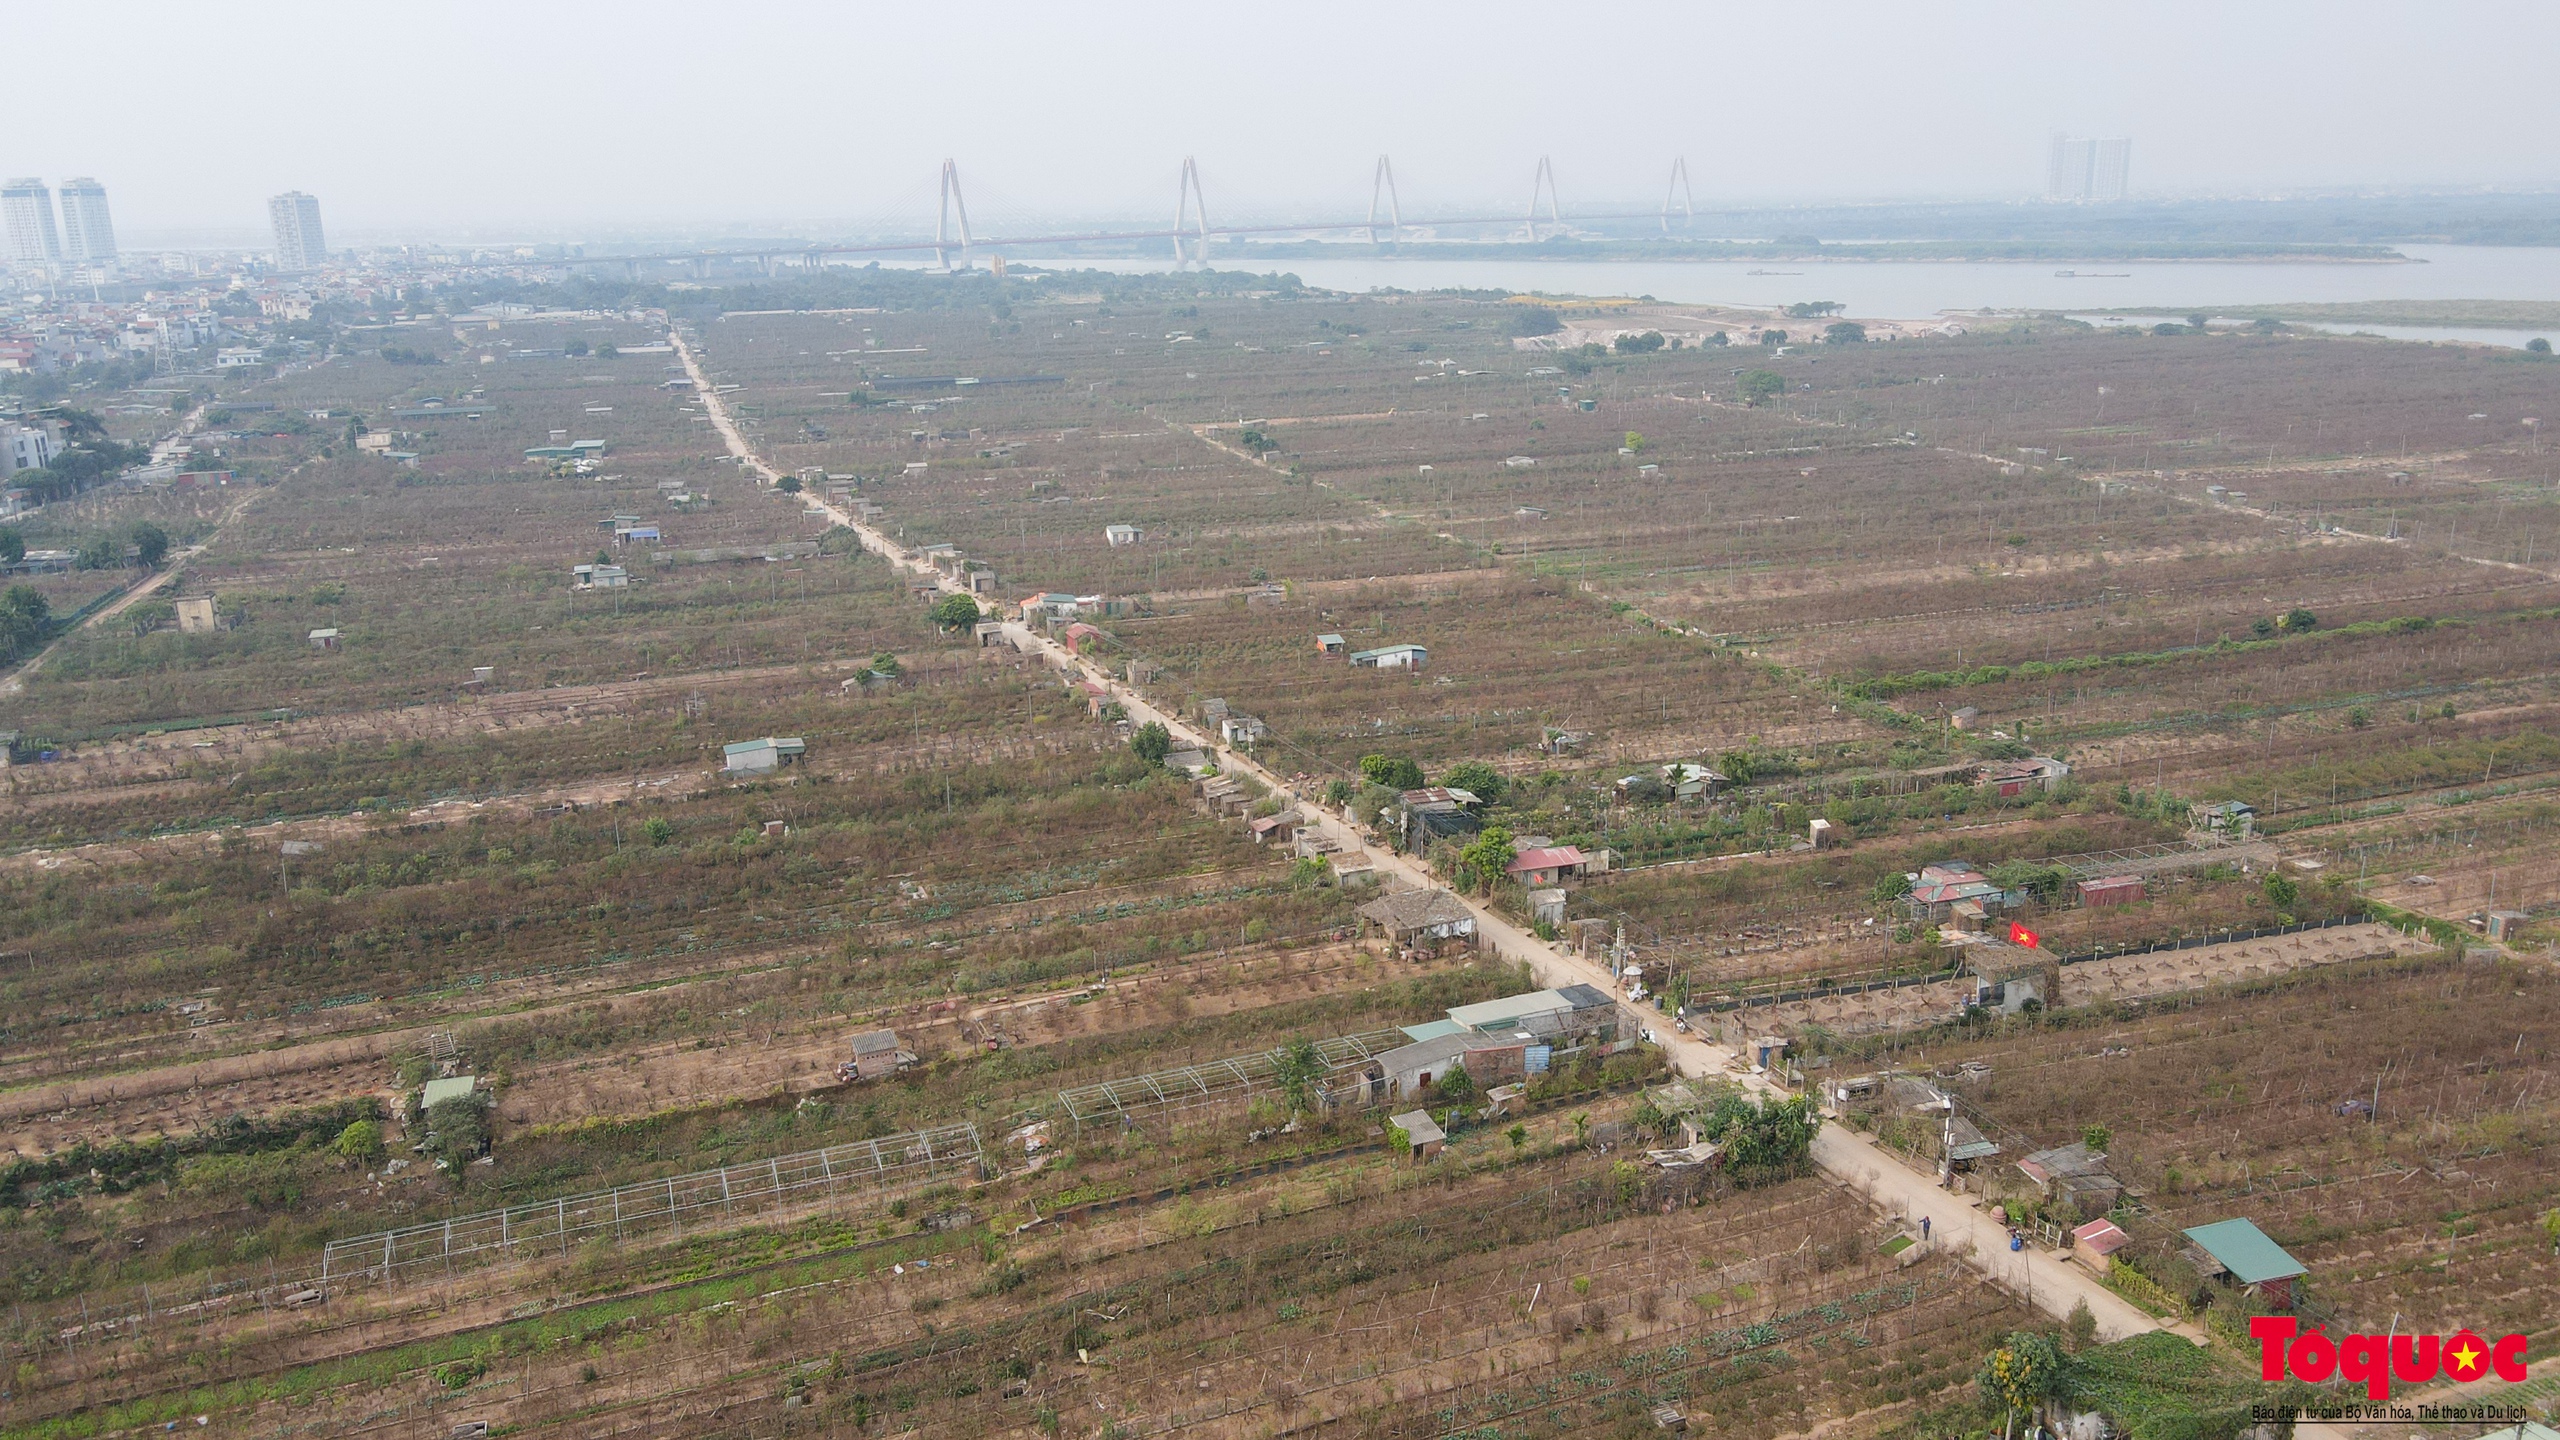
[(1439, 813), (2010, 779), (2108, 890), (1408, 1068), (1571, 1014), (1546, 907), (2092, 1243), (195, 614), (599, 577), (761, 757), (989, 632), (1937, 889), (1283, 826), (1425, 1137), (1688, 781), (2077, 1174), (2240, 1251), (2229, 820), (1330, 644), (875, 1053), (1962, 1145), (1392, 657), (2503, 924), (451, 1087), (2010, 977), (1119, 535), (324, 639), (1414, 918)]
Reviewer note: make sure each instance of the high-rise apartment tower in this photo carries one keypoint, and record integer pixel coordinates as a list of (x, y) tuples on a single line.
[(2088, 169), (88, 236), (26, 211), (299, 243)]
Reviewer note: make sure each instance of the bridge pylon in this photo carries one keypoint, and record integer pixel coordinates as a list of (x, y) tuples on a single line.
[(951, 200), (1193, 205), (1545, 179), (1384, 179)]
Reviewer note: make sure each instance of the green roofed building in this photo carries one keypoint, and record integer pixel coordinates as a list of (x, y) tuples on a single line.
[(2243, 1252), (451, 1087)]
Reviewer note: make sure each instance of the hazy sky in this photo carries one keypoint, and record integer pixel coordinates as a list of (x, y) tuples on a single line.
[(540, 118)]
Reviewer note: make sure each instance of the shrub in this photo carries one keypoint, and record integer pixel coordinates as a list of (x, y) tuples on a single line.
[(1393, 771), (361, 1142), (1475, 777)]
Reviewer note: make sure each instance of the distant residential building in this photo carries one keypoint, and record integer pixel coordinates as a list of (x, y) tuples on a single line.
[(1119, 535), (88, 236), (26, 212), (24, 447), (234, 357), (300, 245)]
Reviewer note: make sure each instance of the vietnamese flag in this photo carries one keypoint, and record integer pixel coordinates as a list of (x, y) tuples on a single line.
[(2021, 935)]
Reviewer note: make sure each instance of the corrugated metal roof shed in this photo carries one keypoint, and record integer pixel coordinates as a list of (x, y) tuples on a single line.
[(2244, 1250)]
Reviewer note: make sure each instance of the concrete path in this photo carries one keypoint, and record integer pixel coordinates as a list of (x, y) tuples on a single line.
[(2045, 1280)]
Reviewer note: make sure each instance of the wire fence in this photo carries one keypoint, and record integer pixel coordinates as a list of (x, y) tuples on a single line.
[(626, 1211), (1124, 1103)]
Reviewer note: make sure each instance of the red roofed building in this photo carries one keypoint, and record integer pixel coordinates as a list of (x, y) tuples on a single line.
[(2092, 1243), (1539, 869)]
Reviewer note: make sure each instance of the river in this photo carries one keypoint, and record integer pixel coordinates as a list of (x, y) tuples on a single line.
[(1908, 290)]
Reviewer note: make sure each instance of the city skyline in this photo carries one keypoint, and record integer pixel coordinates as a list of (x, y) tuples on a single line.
[(1070, 126)]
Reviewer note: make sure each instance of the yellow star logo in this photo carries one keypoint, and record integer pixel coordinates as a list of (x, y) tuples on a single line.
[(2466, 1359)]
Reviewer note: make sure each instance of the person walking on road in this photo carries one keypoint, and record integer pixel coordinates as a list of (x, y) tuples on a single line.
[(1924, 1229)]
